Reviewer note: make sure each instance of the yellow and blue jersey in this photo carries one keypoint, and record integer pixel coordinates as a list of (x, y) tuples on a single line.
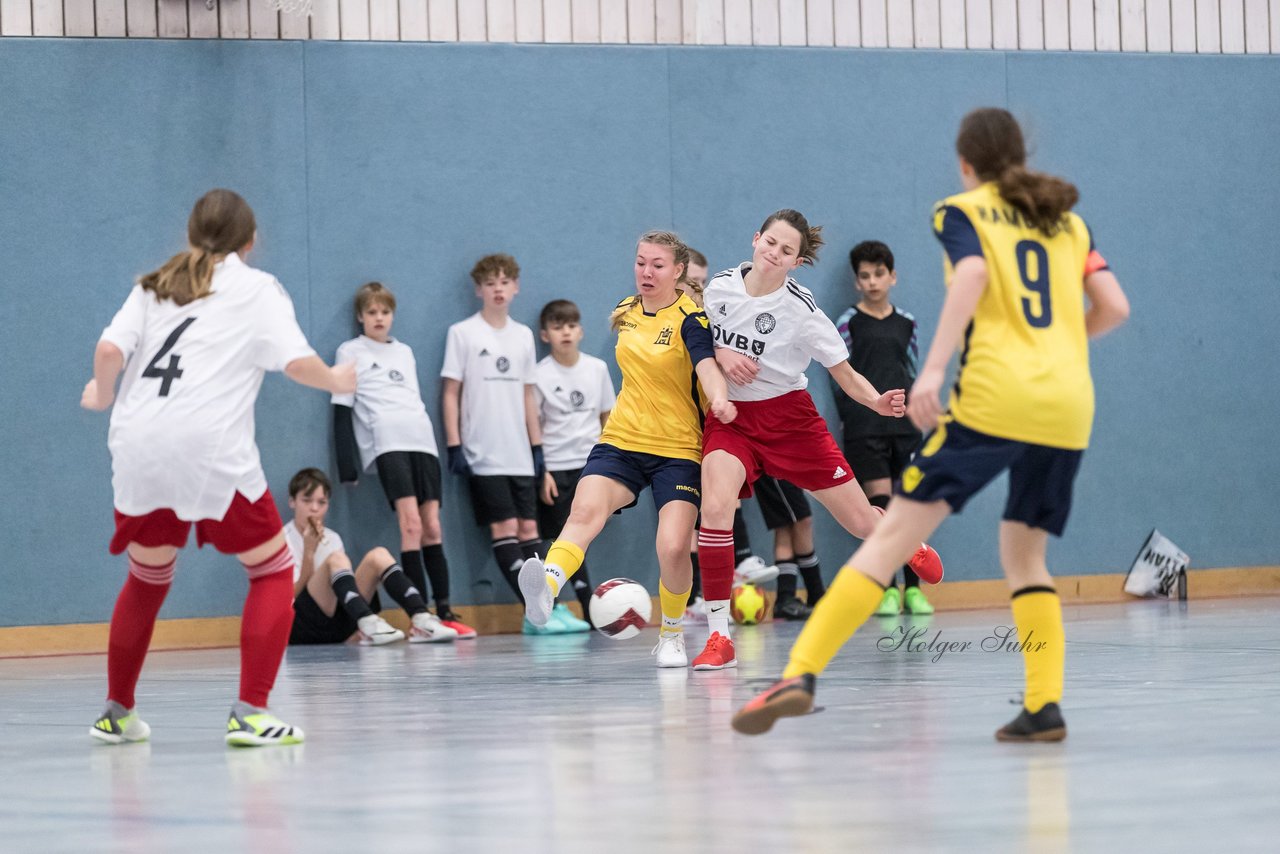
[(660, 407), (1024, 362)]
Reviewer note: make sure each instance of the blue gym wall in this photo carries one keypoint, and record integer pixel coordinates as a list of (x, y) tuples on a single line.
[(406, 162)]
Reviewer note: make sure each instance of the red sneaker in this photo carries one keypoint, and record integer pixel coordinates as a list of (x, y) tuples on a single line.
[(451, 620), (787, 698), (717, 654), (926, 564)]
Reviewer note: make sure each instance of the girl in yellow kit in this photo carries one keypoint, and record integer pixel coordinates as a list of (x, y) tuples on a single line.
[(1020, 267)]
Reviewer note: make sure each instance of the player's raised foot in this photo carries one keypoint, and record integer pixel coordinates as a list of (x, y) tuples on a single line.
[(791, 608), (1045, 725), (569, 624), (538, 599), (890, 603), (375, 631), (253, 727), (428, 628), (717, 654), (753, 570), (670, 650), (786, 698), (915, 602), (119, 725), (450, 621), (926, 564), (696, 612)]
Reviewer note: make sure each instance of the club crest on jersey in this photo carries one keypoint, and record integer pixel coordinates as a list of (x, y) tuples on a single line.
[(765, 323), (395, 375), (577, 398), (503, 364), (664, 337)]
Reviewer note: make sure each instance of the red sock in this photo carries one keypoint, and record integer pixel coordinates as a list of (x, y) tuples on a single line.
[(264, 629), (132, 623), (715, 558)]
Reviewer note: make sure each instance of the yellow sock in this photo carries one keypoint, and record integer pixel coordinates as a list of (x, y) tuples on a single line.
[(673, 605), (847, 604), (1037, 612), (563, 560)]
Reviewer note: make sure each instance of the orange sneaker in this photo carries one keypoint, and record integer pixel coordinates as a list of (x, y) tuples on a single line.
[(787, 698), (451, 620), (717, 654), (926, 564)]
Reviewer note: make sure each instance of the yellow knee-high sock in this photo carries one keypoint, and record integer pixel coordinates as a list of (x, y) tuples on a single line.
[(1037, 612), (846, 605), (673, 605), (563, 560)]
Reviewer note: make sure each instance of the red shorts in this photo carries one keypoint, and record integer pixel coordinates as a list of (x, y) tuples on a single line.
[(245, 526), (783, 437)]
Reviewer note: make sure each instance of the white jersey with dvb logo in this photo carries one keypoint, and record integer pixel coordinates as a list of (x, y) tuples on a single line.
[(494, 366), (782, 331), (182, 427), (390, 414), (570, 400)]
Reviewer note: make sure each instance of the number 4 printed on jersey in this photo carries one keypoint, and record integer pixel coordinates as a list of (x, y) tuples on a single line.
[(170, 372)]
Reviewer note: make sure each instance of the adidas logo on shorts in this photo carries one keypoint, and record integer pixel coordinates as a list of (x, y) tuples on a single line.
[(840, 472)]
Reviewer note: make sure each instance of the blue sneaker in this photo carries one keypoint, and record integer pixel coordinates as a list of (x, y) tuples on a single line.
[(562, 616), (551, 628)]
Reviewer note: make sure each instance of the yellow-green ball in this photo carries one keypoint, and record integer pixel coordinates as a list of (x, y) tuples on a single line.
[(747, 604)]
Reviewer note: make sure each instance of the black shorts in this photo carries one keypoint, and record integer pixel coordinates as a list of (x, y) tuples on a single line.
[(782, 503), (956, 463), (499, 497), (409, 474), (311, 626), (672, 479), (876, 457), (551, 517)]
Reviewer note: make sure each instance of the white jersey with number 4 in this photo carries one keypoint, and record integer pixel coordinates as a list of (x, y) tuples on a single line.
[(390, 414), (182, 426), (782, 331)]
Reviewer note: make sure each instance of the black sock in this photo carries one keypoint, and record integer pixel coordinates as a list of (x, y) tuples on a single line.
[(741, 542), (812, 574), (882, 501), (788, 576), (344, 586), (582, 590), (696, 590), (909, 577), (533, 548), (401, 589), (507, 554), (416, 570), (438, 572)]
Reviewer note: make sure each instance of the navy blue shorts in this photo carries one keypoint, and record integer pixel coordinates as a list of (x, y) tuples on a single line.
[(955, 463), (672, 480)]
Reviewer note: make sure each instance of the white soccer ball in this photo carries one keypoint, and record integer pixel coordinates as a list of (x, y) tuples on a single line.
[(620, 608)]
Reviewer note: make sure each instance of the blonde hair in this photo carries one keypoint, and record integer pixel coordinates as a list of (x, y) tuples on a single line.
[(220, 223), (679, 253)]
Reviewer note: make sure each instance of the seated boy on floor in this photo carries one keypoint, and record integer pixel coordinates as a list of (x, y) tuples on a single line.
[(331, 600)]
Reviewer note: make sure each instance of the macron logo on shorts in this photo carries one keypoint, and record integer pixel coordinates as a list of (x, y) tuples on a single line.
[(840, 472)]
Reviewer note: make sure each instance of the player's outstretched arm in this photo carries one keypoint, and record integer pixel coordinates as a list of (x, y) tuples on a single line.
[(891, 403), (968, 281), (100, 392), (717, 389), (1108, 306), (312, 372)]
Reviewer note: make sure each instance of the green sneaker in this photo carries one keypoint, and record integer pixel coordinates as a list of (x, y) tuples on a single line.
[(119, 725), (259, 729), (569, 623), (916, 603), (551, 628), (890, 603)]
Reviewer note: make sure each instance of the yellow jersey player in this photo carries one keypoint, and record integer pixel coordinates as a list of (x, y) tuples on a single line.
[(1020, 267)]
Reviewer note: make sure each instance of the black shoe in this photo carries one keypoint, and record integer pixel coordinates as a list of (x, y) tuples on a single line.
[(791, 608), (1045, 725)]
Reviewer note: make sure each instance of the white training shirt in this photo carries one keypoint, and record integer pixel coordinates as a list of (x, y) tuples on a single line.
[(390, 414), (181, 432), (782, 331), (570, 401), (330, 544), (494, 366)]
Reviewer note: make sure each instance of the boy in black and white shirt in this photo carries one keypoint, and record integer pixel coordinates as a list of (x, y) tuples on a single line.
[(384, 425), (491, 416), (575, 395)]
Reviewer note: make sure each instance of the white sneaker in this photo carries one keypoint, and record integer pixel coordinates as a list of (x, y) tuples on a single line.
[(670, 651), (427, 628), (753, 570), (375, 631), (538, 600), (696, 612)]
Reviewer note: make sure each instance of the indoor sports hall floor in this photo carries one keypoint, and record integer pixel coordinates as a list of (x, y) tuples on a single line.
[(567, 744)]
